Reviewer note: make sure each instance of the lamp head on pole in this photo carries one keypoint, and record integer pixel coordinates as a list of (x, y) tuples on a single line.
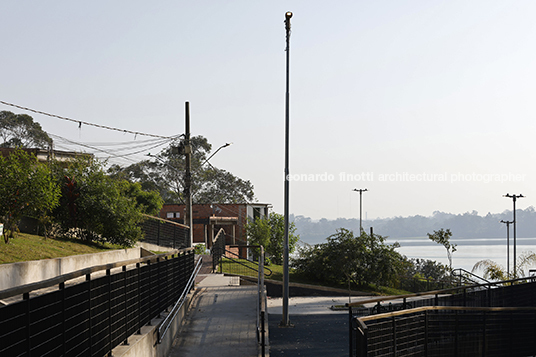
[(288, 15)]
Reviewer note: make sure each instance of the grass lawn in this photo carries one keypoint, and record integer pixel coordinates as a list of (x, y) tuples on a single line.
[(230, 267), (30, 247)]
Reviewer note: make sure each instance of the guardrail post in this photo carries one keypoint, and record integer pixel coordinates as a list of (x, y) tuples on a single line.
[(351, 329), (63, 328), (26, 297), (393, 321), (88, 279), (425, 333), (456, 330), (158, 233), (109, 276), (149, 287), (139, 298), (263, 332), (484, 321), (125, 343)]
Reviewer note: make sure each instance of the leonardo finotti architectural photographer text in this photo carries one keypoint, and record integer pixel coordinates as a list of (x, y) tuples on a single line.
[(408, 177)]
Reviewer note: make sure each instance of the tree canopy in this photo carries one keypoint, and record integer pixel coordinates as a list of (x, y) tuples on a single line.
[(20, 131), (97, 207), (442, 237), (362, 259), (270, 233), (26, 188), (165, 173)]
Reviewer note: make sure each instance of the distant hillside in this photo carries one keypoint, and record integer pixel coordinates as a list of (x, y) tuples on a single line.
[(467, 225)]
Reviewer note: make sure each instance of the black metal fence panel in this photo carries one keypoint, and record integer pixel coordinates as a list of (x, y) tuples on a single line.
[(93, 317), (165, 233), (447, 332)]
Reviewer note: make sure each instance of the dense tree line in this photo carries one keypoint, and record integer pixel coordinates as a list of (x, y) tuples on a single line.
[(80, 198), (362, 260), (72, 199), (164, 172), (466, 225)]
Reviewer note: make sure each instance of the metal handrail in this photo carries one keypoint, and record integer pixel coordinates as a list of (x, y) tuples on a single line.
[(164, 325), (437, 292), (251, 261), (19, 290), (461, 270)]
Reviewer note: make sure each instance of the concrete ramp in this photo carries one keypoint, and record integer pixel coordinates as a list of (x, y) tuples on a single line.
[(221, 320)]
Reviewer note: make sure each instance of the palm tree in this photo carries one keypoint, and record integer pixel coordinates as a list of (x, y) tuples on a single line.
[(495, 271)]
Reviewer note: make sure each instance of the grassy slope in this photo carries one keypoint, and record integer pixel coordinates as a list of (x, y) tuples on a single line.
[(30, 247), (277, 274)]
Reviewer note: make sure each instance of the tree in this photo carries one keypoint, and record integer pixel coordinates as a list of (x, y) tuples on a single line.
[(20, 131), (26, 188), (495, 271), (363, 259), (165, 173), (148, 202), (443, 237), (270, 233), (96, 207)]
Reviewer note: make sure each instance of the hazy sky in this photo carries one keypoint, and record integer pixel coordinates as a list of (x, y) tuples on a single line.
[(429, 105)]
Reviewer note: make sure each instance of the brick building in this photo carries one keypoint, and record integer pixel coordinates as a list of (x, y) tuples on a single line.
[(208, 219)]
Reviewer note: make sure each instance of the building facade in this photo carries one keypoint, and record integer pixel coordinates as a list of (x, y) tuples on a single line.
[(208, 219)]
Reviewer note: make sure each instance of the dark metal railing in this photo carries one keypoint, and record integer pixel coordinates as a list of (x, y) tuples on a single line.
[(164, 233), (262, 316), (92, 317), (238, 264), (447, 331), (465, 277), (504, 298), (166, 323), (218, 249)]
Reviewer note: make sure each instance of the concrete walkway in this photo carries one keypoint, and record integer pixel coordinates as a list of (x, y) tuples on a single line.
[(221, 320)]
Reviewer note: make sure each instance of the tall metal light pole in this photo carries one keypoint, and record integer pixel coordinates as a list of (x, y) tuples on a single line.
[(361, 190), (507, 246), (188, 176), (285, 322), (514, 197)]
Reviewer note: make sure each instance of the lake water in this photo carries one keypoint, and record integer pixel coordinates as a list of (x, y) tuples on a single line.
[(469, 250)]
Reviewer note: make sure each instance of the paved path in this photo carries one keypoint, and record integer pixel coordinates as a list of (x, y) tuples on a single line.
[(221, 320), (317, 330)]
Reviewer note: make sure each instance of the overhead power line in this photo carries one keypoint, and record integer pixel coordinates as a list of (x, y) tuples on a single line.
[(80, 122)]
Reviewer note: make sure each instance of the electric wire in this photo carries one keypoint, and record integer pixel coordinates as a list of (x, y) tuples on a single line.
[(80, 122)]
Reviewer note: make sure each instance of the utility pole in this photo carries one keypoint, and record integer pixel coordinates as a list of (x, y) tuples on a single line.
[(507, 247), (361, 190), (514, 197), (188, 176), (285, 322)]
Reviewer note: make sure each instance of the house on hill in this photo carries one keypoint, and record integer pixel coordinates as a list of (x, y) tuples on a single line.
[(208, 219)]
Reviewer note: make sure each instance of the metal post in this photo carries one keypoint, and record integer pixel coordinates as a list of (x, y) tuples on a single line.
[(507, 247), (361, 190), (188, 175), (285, 321), (514, 197)]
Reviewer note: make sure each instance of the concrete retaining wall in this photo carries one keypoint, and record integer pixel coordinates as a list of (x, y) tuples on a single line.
[(22, 273), (146, 344)]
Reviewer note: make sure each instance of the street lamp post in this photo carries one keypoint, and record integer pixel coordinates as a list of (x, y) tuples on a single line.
[(361, 190), (285, 322), (507, 247), (215, 152), (514, 197)]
